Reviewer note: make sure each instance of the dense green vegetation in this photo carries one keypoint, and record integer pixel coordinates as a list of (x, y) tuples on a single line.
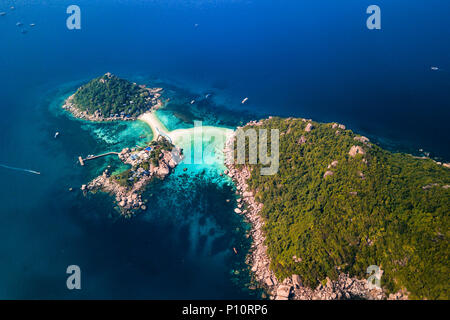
[(374, 213), (113, 96)]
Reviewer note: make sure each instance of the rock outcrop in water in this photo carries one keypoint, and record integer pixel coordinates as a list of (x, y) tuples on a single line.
[(128, 192)]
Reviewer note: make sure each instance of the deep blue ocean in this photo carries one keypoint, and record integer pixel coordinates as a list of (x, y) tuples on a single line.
[(312, 58)]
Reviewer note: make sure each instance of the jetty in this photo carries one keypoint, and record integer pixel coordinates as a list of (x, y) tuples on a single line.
[(82, 161)]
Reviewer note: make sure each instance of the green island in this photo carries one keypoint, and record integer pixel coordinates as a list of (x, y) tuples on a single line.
[(339, 204), (111, 98)]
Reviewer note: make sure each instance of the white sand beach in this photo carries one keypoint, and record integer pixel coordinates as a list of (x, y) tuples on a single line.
[(209, 139)]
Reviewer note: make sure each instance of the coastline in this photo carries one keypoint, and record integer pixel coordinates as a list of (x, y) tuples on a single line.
[(344, 287), (128, 198), (154, 123), (77, 113), (291, 288)]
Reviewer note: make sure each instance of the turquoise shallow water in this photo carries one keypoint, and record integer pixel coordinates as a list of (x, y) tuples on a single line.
[(181, 247)]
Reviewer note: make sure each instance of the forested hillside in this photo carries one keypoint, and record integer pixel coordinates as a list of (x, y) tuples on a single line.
[(329, 210), (112, 96)]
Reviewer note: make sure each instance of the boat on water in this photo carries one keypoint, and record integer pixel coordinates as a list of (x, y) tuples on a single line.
[(32, 24), (19, 24), (244, 101), (193, 101), (56, 134), (434, 68), (2, 14)]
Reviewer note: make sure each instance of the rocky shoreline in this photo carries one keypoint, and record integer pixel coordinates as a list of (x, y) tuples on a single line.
[(345, 287), (129, 199)]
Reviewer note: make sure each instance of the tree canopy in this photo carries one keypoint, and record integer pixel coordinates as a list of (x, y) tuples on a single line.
[(111, 96), (378, 208)]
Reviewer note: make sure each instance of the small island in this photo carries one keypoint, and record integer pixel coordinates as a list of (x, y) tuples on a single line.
[(154, 161), (109, 98)]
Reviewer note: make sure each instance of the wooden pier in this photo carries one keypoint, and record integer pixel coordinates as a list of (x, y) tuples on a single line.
[(82, 161)]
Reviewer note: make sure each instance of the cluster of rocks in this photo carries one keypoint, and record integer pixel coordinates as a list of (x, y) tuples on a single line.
[(309, 127), (255, 123), (258, 257), (130, 199), (401, 295), (432, 185), (126, 199), (354, 150), (344, 288), (167, 161), (330, 166), (338, 126), (445, 165), (362, 139), (96, 116)]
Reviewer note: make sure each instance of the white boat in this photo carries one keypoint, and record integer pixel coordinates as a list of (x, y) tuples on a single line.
[(32, 24), (193, 101), (244, 101), (19, 24), (434, 68), (56, 134)]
